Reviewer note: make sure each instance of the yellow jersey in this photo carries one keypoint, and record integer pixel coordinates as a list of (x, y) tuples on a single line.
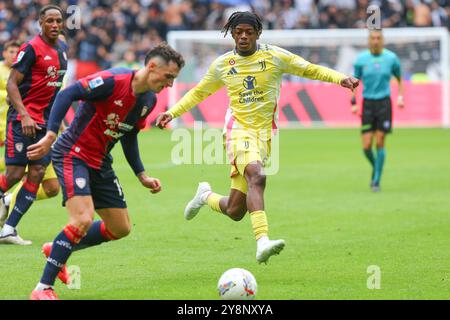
[(253, 85)]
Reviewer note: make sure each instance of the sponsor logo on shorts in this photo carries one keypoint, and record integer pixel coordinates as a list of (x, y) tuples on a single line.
[(387, 124), (80, 182), (19, 146)]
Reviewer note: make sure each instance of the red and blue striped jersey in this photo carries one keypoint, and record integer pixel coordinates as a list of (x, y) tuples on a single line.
[(109, 110), (43, 67)]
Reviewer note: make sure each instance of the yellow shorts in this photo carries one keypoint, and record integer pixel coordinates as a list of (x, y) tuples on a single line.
[(244, 147), (49, 173)]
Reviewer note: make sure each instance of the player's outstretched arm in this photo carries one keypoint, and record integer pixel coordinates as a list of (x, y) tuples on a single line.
[(210, 83), (350, 83)]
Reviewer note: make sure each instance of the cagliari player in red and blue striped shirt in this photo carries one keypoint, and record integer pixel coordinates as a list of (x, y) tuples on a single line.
[(115, 105), (35, 80)]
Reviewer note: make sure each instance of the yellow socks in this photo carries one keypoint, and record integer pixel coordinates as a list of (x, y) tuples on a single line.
[(41, 195), (258, 218), (213, 201), (259, 224), (14, 195)]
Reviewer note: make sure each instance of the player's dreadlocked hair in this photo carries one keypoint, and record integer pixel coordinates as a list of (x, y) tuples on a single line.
[(243, 17)]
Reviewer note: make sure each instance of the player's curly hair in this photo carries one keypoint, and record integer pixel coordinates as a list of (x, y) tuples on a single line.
[(243, 17), (44, 9), (167, 53)]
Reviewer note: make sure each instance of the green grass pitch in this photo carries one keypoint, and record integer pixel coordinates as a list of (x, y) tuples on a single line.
[(319, 202)]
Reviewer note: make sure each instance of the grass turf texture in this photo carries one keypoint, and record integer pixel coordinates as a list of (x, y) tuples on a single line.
[(319, 202)]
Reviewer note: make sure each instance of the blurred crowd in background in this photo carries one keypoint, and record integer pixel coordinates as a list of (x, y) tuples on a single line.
[(120, 32)]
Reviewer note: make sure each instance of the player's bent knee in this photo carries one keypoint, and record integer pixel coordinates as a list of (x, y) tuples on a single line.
[(53, 192), (51, 189), (14, 176), (237, 218), (237, 214), (36, 173), (121, 232), (83, 223), (258, 179)]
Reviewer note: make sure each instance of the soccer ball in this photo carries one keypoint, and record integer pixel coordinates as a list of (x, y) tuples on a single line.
[(237, 284)]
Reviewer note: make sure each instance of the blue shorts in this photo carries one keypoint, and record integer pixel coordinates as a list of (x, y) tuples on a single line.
[(78, 179), (16, 145)]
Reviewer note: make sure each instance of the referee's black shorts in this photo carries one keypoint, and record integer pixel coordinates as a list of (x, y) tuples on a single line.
[(377, 115)]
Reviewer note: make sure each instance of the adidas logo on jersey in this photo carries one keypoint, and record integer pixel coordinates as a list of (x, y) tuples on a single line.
[(118, 103), (232, 71), (48, 58)]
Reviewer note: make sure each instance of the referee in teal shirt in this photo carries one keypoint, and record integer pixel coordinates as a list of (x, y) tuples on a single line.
[(375, 68)]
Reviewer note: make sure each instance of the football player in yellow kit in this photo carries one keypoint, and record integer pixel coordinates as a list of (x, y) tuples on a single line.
[(252, 74), (10, 50)]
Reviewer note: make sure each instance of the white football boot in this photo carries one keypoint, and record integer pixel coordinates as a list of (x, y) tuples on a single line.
[(198, 201), (14, 238), (267, 249)]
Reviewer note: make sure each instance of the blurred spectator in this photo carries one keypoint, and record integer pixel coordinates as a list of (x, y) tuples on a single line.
[(439, 16), (392, 11), (422, 15), (129, 60), (289, 15)]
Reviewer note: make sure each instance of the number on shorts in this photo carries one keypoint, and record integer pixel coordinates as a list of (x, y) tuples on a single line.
[(119, 188)]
